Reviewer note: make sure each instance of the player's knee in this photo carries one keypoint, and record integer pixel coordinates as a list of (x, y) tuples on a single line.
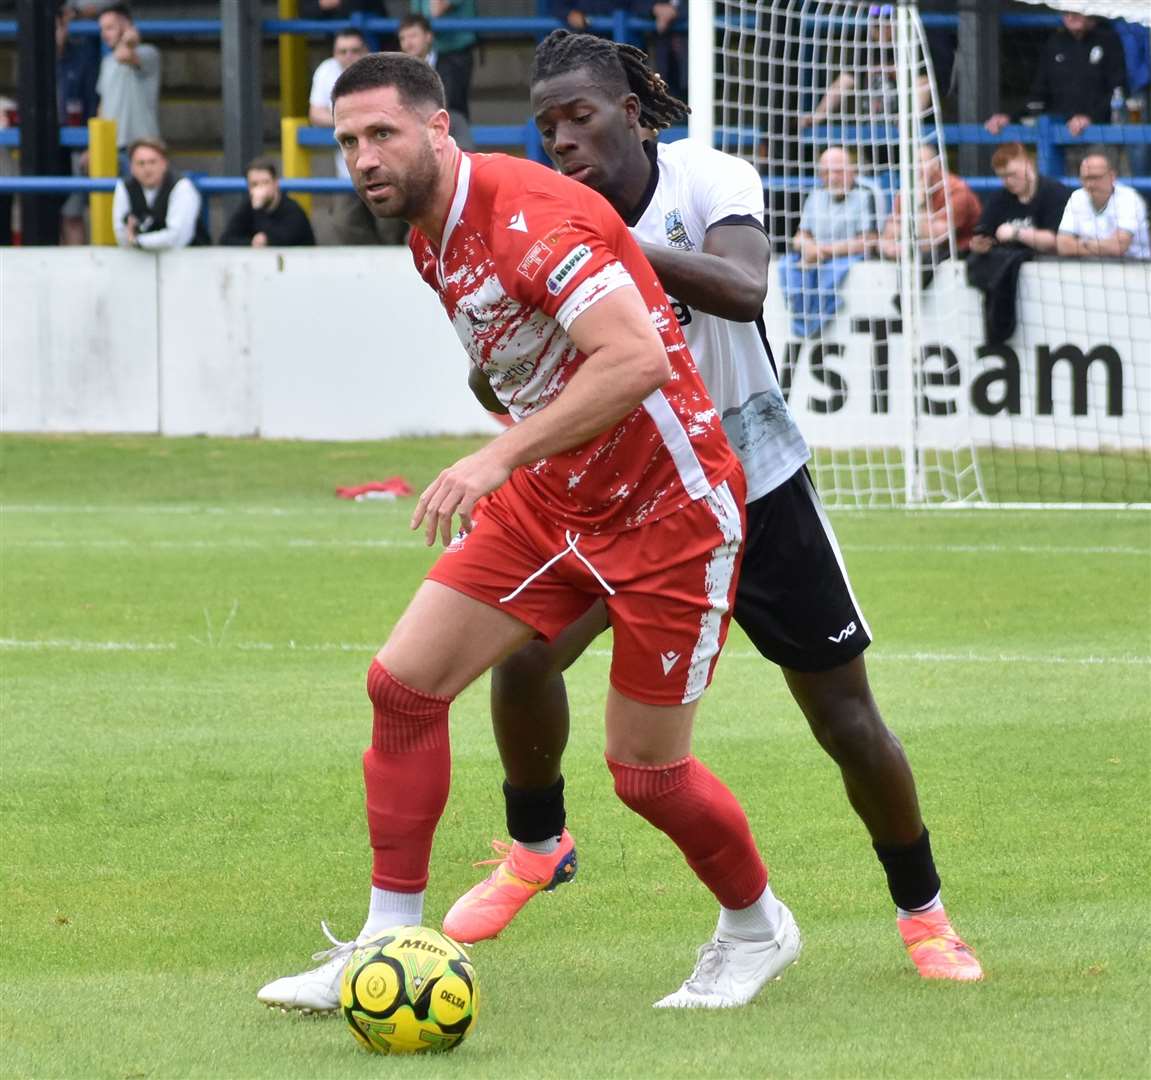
[(526, 671), (851, 729), (643, 788), (404, 718)]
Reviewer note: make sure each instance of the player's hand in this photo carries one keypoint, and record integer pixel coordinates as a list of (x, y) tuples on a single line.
[(456, 491)]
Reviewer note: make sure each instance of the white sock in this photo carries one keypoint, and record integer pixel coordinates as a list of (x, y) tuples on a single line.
[(934, 904), (541, 847), (389, 908), (758, 922)]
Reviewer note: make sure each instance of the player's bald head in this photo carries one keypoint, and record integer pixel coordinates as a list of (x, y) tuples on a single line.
[(414, 80)]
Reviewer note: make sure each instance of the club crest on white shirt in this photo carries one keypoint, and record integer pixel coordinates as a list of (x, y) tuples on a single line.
[(676, 231)]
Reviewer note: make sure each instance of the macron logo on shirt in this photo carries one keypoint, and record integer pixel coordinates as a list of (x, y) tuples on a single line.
[(517, 223)]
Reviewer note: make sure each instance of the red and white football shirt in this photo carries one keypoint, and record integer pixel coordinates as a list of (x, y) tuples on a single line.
[(524, 252)]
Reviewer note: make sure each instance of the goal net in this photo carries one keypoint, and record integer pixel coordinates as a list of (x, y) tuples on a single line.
[(881, 344)]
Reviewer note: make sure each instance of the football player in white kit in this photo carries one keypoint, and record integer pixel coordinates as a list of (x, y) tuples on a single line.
[(698, 214)]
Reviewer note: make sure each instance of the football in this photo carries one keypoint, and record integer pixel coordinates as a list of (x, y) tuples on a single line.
[(409, 990)]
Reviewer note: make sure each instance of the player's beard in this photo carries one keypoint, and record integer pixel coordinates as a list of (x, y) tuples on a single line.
[(413, 192)]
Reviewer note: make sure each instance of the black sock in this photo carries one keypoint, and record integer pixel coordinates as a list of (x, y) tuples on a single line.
[(910, 871), (535, 814)]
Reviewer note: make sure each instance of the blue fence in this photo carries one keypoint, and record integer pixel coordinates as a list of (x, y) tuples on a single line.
[(622, 25)]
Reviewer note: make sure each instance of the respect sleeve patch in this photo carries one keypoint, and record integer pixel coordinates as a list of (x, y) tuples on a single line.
[(563, 274)]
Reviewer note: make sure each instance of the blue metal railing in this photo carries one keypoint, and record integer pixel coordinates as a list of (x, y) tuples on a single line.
[(525, 26)]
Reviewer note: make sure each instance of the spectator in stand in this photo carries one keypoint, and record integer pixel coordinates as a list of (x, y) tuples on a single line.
[(341, 9), (88, 9), (1018, 220), (155, 209), (1080, 67), (268, 217), (455, 50), (838, 227), (1103, 218), (934, 194), (77, 68), (417, 39), (129, 82), (871, 81), (1136, 40), (355, 224), (1026, 210)]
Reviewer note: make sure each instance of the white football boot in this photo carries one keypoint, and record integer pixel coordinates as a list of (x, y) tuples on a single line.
[(730, 973), (315, 991)]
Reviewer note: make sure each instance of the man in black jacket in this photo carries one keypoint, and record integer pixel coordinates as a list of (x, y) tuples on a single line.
[(267, 218), (1080, 67)]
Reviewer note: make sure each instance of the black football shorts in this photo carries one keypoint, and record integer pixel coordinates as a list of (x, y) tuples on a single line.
[(794, 599)]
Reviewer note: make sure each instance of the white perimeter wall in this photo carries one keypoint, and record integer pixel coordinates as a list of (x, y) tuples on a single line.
[(348, 343)]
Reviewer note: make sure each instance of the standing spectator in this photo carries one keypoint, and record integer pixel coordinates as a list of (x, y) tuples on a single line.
[(1103, 218), (77, 69), (838, 227), (668, 47), (1136, 41), (871, 79), (9, 166), (354, 223), (341, 9), (155, 209), (267, 218), (417, 39), (129, 82), (1019, 219), (1080, 67), (455, 50), (934, 229)]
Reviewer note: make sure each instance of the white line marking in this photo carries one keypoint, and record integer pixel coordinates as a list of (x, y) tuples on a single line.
[(79, 645)]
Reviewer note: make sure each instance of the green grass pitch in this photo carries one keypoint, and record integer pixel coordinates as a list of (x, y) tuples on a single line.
[(186, 628)]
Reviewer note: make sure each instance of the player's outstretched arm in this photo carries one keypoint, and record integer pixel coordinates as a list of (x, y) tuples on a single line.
[(625, 360), (727, 278)]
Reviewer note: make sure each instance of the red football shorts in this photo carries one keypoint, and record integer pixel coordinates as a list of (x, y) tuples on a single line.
[(668, 586)]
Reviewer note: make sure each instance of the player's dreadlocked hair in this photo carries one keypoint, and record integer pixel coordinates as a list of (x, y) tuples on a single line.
[(615, 64)]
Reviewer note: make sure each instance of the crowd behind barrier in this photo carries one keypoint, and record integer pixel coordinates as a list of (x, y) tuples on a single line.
[(299, 140)]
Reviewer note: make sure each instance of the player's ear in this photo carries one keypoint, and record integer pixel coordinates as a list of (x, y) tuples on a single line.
[(439, 125), (631, 109)]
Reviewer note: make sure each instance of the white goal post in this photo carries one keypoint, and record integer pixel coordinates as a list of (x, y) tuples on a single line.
[(880, 341)]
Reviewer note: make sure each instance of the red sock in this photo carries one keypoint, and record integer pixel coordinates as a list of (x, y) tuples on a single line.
[(694, 807), (407, 773)]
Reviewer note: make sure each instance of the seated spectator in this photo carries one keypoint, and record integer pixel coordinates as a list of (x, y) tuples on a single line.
[(933, 228), (155, 209), (268, 217), (418, 40), (838, 227), (341, 9), (1026, 210), (1080, 67), (129, 81), (455, 50), (1103, 218), (1018, 220)]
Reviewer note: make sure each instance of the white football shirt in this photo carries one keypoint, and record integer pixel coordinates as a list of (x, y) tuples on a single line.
[(1125, 210), (696, 189)]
